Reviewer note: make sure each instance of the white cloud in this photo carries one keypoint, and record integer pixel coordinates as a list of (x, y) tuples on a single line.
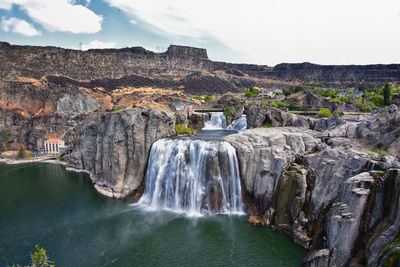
[(18, 26), (133, 21), (97, 44), (270, 31), (58, 15)]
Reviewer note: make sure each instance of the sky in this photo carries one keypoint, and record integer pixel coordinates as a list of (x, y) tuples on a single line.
[(266, 32)]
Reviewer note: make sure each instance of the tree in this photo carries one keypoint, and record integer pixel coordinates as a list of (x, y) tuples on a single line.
[(21, 152), (387, 94)]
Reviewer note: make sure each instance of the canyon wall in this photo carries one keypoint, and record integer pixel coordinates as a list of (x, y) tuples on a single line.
[(36, 62), (115, 147)]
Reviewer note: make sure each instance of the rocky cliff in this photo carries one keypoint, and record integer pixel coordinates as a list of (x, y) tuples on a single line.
[(320, 183), (332, 198), (115, 147)]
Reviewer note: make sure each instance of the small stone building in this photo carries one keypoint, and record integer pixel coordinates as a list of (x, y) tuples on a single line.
[(54, 146)]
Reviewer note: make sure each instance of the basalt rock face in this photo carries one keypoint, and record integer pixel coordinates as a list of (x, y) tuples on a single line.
[(331, 197), (263, 155), (258, 115), (339, 74), (73, 106), (140, 66), (115, 147)]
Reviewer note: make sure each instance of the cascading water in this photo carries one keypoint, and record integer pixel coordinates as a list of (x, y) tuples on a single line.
[(193, 176), (217, 121), (238, 125)]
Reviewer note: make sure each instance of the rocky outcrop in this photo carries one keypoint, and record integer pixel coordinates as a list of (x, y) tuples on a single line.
[(328, 196), (115, 147), (73, 106), (381, 127), (263, 155), (258, 115)]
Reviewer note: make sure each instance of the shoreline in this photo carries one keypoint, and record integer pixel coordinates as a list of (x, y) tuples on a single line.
[(33, 160)]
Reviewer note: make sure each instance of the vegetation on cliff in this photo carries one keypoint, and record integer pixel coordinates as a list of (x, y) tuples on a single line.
[(181, 129)]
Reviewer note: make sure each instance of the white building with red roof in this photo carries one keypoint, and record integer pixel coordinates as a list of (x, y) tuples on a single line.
[(54, 146)]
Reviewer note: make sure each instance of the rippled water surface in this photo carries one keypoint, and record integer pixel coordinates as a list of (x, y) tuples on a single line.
[(44, 204)]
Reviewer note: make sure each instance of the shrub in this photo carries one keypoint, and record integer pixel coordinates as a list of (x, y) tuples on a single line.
[(197, 97), (228, 111), (133, 105), (345, 99), (181, 129), (252, 92), (337, 100), (377, 100), (207, 98), (379, 145), (326, 93), (268, 125), (324, 113), (392, 124)]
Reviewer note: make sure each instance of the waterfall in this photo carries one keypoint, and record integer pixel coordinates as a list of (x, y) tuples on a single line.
[(194, 177), (238, 125), (216, 122)]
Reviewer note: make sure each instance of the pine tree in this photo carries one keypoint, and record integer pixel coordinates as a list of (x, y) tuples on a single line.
[(387, 94)]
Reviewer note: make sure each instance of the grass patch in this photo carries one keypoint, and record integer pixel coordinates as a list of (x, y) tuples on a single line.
[(324, 113), (181, 129), (118, 108)]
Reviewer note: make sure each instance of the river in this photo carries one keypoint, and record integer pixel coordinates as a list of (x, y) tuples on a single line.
[(59, 210)]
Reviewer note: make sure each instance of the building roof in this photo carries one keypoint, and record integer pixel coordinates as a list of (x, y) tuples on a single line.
[(54, 140)]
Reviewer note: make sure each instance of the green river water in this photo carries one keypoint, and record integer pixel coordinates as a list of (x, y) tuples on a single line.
[(60, 210)]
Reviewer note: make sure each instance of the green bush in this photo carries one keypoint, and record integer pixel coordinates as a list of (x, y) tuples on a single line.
[(228, 111), (197, 97), (252, 92), (345, 99), (268, 125), (327, 93), (379, 145), (133, 105), (377, 100), (181, 129), (207, 98), (293, 90), (324, 113)]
